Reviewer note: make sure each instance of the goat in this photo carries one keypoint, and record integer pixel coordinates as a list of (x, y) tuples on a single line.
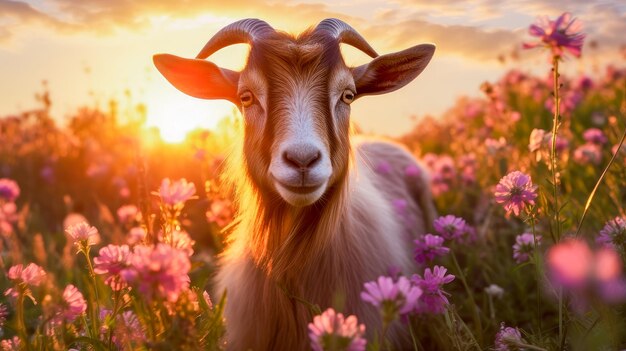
[(315, 220)]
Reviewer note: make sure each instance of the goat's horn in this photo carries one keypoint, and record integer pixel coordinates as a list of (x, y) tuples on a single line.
[(342, 31), (243, 31)]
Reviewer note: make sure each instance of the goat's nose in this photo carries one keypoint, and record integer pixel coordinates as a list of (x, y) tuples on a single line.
[(302, 156)]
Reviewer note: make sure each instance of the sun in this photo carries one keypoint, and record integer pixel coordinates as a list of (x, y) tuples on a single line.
[(175, 115)]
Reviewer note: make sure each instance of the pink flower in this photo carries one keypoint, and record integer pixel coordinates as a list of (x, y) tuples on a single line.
[(331, 331), (450, 227), (433, 300), (128, 213), (9, 190), (111, 261), (24, 278), (158, 272), (507, 339), (126, 329), (614, 233), (595, 136), (559, 35), (75, 304), (495, 146), (588, 154), (220, 212), (14, 344), (175, 194), (570, 262), (136, 235), (515, 192), (32, 275), (524, 247), (537, 137), (179, 239), (4, 312), (82, 234), (428, 247), (392, 298)]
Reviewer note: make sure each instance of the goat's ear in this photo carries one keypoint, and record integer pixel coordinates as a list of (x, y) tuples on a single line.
[(392, 71), (198, 78)]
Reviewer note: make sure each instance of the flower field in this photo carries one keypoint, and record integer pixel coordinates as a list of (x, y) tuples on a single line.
[(109, 237)]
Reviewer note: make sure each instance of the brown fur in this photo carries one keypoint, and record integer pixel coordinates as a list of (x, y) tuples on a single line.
[(279, 255)]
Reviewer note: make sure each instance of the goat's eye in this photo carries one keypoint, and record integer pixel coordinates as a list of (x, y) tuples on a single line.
[(246, 99), (347, 96)]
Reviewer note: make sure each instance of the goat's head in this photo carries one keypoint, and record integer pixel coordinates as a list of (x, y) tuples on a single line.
[(295, 95)]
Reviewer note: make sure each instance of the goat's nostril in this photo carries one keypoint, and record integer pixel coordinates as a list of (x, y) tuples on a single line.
[(302, 157)]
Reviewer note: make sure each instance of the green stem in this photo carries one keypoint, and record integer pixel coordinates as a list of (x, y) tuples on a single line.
[(95, 308), (537, 269), (475, 316), (555, 126), (595, 188), (413, 338), (21, 325)]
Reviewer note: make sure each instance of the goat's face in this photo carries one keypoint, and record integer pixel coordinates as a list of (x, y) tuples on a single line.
[(295, 95)]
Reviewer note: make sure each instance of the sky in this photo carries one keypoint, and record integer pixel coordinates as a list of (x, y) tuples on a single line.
[(91, 51)]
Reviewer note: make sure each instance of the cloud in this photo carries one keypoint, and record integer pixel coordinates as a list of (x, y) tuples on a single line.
[(14, 14), (480, 30)]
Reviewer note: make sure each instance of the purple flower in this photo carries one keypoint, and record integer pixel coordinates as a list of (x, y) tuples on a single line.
[(450, 227), (9, 190), (429, 246), (614, 233), (392, 298), (332, 331), (433, 300), (515, 192), (524, 247), (507, 338), (588, 154), (595, 136), (559, 35), (128, 214), (412, 171)]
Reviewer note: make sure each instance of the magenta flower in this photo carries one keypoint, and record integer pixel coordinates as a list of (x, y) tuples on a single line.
[(429, 246), (331, 331), (158, 272), (75, 304), (128, 214), (383, 167), (392, 298), (433, 300), (9, 190), (595, 136), (516, 192), (559, 35), (614, 233), (111, 261), (412, 171), (83, 235), (524, 247), (450, 227), (175, 194), (588, 154), (508, 338)]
